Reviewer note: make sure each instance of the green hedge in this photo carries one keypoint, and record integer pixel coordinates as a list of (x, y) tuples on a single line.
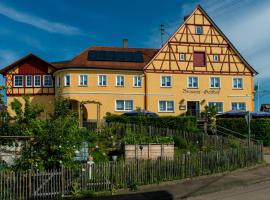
[(260, 127), (172, 122)]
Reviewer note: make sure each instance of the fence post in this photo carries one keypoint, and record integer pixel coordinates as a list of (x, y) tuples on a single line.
[(63, 180), (30, 183)]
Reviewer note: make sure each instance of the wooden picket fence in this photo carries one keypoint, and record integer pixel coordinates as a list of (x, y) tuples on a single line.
[(123, 174)]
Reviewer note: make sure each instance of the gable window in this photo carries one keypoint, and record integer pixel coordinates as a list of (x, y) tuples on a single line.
[(120, 80), (166, 106), (199, 30), (193, 82), (124, 105), (239, 106), (237, 83), (137, 81), (37, 81), (218, 106), (214, 82), (199, 59), (182, 57), (216, 58), (83, 80), (102, 80), (47, 81), (18, 81), (67, 80), (28, 81), (166, 81)]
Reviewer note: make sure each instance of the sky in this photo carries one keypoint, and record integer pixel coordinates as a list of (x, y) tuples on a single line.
[(59, 30)]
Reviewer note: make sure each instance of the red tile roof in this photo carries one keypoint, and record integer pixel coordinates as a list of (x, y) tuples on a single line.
[(81, 60)]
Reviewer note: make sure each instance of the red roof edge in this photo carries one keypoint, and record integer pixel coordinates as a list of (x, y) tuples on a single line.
[(14, 64)]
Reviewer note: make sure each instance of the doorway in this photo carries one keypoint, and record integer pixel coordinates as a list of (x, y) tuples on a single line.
[(193, 108)]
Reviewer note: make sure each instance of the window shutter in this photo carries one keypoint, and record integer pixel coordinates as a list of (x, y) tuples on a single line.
[(199, 59)]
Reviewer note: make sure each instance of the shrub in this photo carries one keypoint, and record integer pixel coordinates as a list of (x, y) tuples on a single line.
[(260, 127), (187, 123)]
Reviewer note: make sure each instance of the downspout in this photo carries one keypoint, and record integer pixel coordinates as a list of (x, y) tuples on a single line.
[(145, 92)]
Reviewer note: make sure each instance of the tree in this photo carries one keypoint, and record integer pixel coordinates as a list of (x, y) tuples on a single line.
[(55, 140), (26, 120)]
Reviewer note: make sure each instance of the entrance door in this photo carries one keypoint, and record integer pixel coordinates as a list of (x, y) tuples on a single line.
[(193, 108)]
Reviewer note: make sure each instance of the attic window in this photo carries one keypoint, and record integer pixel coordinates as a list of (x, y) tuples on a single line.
[(182, 56), (198, 30)]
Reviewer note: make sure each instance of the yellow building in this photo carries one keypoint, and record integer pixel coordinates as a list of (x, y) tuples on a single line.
[(197, 66)]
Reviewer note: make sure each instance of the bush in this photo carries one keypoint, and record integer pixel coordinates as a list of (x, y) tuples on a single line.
[(260, 127), (187, 123)]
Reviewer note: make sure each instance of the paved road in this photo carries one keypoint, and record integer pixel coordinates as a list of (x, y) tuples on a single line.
[(260, 191)]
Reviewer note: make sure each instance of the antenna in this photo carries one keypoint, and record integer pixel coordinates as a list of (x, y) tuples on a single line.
[(162, 32)]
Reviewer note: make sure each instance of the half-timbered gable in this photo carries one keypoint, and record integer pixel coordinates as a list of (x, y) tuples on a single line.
[(199, 46), (29, 76)]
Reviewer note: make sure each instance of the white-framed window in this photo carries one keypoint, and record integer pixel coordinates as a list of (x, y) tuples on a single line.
[(214, 82), (18, 81), (216, 58), (166, 81), (124, 105), (218, 106), (137, 81), (102, 80), (47, 81), (37, 80), (238, 83), (83, 80), (193, 82), (198, 30), (67, 80), (120, 80), (28, 81), (239, 106), (165, 106), (182, 56)]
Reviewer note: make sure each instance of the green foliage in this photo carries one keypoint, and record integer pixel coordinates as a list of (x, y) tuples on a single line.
[(55, 140), (260, 127), (99, 156), (185, 123), (180, 142), (147, 139), (234, 142)]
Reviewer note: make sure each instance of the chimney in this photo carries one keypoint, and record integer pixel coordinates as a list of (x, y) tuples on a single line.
[(125, 43)]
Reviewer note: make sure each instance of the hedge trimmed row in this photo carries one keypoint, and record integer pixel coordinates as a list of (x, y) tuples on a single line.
[(260, 127), (184, 123)]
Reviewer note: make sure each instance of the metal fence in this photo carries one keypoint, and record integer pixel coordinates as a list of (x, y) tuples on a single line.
[(123, 174)]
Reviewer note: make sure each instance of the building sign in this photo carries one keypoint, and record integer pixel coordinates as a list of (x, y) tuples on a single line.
[(214, 92)]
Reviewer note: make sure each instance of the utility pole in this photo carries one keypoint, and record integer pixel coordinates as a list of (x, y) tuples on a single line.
[(248, 120)]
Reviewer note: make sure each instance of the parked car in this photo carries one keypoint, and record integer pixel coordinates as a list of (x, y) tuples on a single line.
[(265, 108), (140, 112)]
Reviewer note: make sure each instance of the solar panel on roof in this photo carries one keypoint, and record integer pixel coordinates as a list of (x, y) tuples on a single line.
[(117, 56)]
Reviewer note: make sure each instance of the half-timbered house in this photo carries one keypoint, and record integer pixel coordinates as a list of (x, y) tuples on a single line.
[(197, 66)]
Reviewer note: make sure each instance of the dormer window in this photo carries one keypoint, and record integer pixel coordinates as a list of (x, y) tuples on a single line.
[(198, 30), (182, 57)]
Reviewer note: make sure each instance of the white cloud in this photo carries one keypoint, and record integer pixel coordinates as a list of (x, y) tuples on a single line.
[(52, 27)]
